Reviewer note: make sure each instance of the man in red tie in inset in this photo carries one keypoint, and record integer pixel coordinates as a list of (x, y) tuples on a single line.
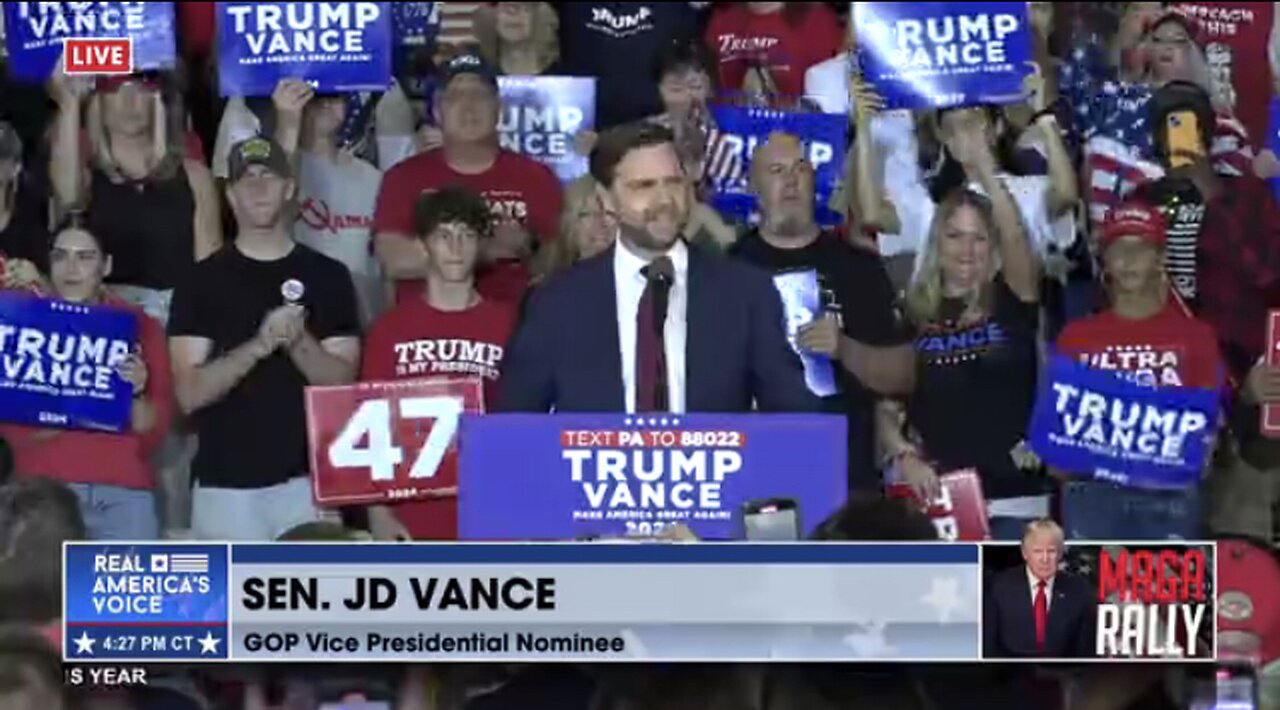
[(1034, 610)]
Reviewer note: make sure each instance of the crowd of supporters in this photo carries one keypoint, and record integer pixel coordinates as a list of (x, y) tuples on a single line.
[(1122, 213)]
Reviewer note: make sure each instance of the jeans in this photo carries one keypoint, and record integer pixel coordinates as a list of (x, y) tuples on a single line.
[(115, 513), (252, 514), (1093, 510)]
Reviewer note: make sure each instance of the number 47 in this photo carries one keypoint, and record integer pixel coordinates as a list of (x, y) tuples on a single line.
[(381, 455)]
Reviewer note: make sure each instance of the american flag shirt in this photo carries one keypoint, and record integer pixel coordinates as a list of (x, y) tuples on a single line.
[(1110, 118)]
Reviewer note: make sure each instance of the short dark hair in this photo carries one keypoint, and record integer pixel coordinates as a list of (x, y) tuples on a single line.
[(868, 519), (615, 143), (682, 55), (36, 516), (28, 665), (451, 204)]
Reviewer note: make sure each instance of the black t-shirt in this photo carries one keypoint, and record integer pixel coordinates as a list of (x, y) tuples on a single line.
[(856, 286), (26, 235), (975, 386), (256, 436), (619, 44)]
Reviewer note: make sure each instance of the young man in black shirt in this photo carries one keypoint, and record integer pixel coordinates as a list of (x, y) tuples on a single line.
[(861, 329), (257, 323)]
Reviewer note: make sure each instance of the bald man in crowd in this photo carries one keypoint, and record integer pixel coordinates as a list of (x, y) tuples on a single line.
[(857, 326)]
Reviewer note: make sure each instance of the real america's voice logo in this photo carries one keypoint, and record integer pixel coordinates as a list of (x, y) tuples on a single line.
[(146, 602)]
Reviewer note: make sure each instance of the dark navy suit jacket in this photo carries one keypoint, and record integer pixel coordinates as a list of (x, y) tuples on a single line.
[(566, 354), (1009, 625)]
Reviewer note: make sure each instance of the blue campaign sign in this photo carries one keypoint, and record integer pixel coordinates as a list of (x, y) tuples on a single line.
[(1101, 424), (741, 129), (936, 54), (562, 476), (335, 46), (34, 32), (802, 303), (542, 114), (1273, 140), (145, 602), (58, 364)]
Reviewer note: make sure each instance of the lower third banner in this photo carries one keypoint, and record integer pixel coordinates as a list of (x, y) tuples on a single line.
[(557, 477), (591, 602), (144, 602), (58, 364)]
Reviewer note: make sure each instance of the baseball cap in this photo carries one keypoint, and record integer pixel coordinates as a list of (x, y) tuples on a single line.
[(1134, 219), (10, 143), (1248, 607), (112, 82), (257, 150), (468, 63)]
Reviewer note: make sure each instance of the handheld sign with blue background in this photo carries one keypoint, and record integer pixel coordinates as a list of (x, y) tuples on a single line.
[(937, 54), (542, 114), (1097, 423), (58, 364), (561, 476), (1273, 140), (802, 303), (333, 46), (145, 602), (741, 129), (35, 31)]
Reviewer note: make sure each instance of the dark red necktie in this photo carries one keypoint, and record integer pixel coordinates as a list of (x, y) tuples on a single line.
[(651, 354), (1041, 610)]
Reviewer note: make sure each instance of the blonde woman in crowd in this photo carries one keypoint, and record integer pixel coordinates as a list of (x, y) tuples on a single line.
[(974, 304), (585, 230), (137, 165), (519, 38)]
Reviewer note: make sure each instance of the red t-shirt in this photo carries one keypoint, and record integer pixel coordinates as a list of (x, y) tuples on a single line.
[(1235, 36), (1170, 348), (415, 341), (739, 39), (516, 187)]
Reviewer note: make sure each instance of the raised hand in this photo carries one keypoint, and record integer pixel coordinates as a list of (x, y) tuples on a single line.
[(291, 96)]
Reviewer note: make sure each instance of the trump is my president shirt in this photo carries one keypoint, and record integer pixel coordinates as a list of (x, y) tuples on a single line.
[(415, 341)]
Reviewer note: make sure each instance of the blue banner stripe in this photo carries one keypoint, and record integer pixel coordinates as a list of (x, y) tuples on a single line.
[(607, 553)]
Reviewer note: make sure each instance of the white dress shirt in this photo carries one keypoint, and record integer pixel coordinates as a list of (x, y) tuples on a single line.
[(629, 286), (1032, 582)]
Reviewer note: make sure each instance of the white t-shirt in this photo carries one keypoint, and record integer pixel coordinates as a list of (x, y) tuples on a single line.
[(1049, 237), (334, 216)]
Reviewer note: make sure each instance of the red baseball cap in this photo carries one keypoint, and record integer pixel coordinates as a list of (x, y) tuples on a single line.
[(1134, 219), (112, 82), (1248, 604)]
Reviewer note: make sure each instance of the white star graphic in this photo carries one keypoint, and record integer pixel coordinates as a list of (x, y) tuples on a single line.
[(664, 421), (653, 422), (944, 597), (628, 421), (871, 642), (84, 644), (208, 644), (675, 422)]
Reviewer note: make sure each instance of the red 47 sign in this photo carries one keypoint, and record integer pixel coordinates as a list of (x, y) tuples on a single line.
[(387, 441)]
